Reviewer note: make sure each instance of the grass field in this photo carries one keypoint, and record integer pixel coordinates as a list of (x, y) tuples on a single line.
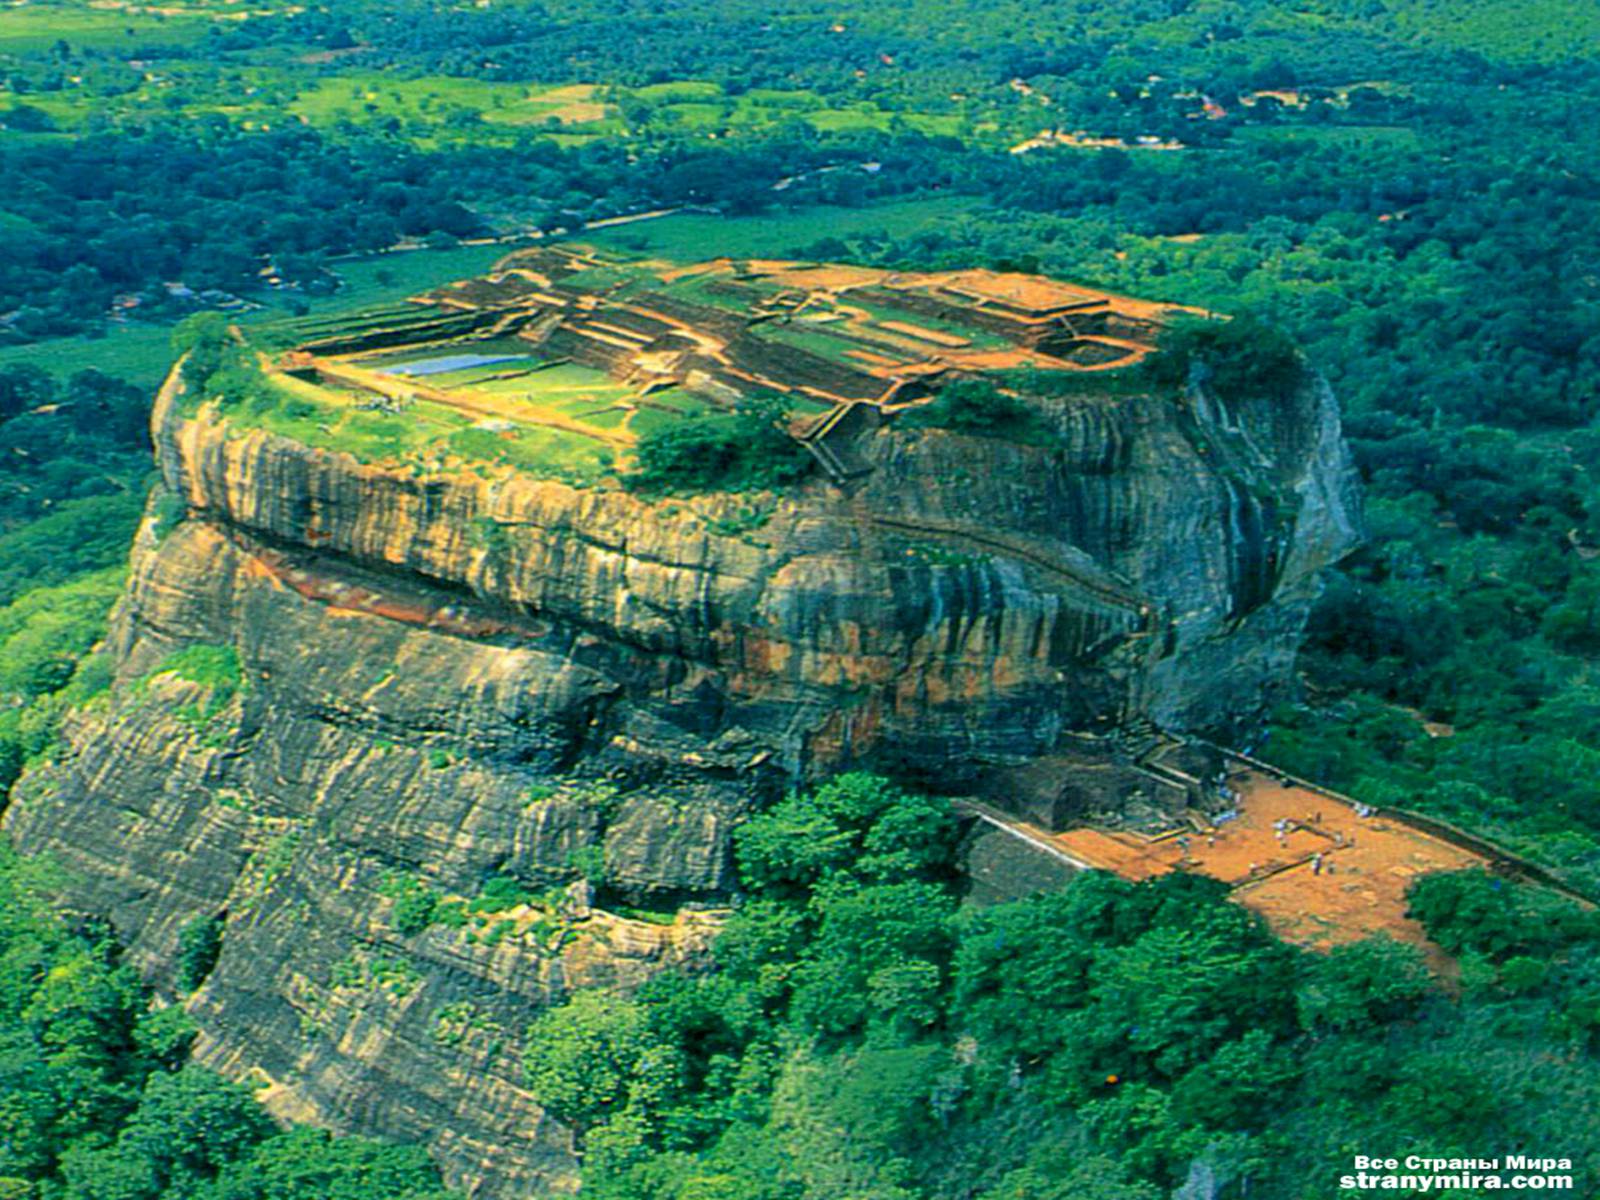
[(554, 421), (395, 276), (566, 390), (586, 400), (1385, 137), (26, 28), (690, 237), (427, 436), (679, 91), (700, 105), (979, 338), (142, 353), (431, 109), (450, 103), (534, 450), (320, 416), (664, 408)]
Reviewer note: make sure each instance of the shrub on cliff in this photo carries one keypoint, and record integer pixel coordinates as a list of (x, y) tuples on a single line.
[(597, 1056), (218, 366), (1240, 358), (748, 449), (976, 406), (214, 669), (199, 946), (203, 342), (416, 905), (856, 822)]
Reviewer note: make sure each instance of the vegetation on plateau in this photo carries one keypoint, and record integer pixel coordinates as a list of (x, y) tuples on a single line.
[(977, 406), (1235, 358), (747, 449)]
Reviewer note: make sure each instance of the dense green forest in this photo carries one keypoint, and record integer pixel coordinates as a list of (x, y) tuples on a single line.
[(1404, 187), (864, 1035), (97, 1103)]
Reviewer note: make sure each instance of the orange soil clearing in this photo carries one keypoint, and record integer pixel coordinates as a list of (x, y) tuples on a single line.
[(925, 334), (1360, 891)]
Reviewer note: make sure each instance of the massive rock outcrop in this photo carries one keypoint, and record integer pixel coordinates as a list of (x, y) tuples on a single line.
[(430, 681)]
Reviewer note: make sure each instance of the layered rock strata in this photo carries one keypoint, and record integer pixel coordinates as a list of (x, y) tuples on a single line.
[(445, 680)]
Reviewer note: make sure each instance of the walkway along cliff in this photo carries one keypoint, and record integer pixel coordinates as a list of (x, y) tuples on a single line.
[(343, 676)]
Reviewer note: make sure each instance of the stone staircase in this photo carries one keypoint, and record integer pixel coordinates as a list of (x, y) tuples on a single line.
[(1136, 738)]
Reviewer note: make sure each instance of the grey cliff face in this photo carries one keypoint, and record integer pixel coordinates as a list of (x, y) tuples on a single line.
[(449, 679)]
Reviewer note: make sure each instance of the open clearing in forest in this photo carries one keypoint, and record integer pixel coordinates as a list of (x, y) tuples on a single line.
[(25, 28), (437, 100), (141, 352), (689, 237), (1367, 862)]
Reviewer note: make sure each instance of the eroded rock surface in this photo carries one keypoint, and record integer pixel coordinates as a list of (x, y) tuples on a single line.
[(449, 678)]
